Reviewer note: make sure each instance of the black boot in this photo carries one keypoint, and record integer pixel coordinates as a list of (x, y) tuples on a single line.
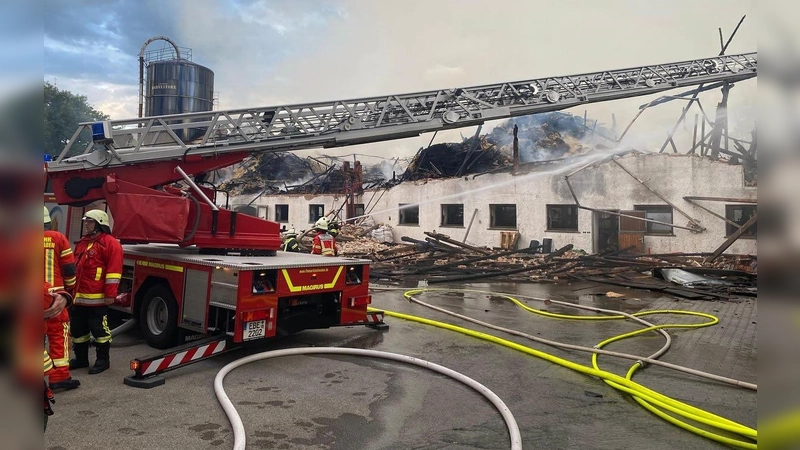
[(102, 363), (81, 359), (67, 384)]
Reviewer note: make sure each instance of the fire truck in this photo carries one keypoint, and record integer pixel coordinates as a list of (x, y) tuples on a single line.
[(193, 269)]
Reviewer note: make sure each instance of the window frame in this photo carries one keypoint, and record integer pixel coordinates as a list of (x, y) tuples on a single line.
[(493, 215), (403, 209), (279, 217), (320, 212), (752, 233), (562, 230), (649, 225), (445, 216)]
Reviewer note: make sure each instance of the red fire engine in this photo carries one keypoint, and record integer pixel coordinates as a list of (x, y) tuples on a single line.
[(193, 268)]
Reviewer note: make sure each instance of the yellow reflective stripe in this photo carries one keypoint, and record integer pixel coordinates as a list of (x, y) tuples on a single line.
[(65, 329), (293, 288), (106, 330), (98, 274), (113, 275), (48, 363), (92, 296), (80, 339), (61, 362), (49, 262), (66, 252), (90, 302), (70, 281)]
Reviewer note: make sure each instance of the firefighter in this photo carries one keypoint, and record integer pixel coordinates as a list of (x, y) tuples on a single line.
[(333, 229), (56, 301), (59, 272), (324, 243), (290, 243), (98, 272)]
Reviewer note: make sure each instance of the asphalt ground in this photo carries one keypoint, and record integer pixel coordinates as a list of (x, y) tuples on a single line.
[(344, 402)]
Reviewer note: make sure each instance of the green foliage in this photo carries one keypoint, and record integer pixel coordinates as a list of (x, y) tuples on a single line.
[(63, 111)]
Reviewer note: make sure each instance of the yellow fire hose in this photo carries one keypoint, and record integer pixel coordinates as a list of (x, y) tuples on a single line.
[(651, 400)]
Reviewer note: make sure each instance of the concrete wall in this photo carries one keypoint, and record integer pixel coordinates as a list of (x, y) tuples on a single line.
[(605, 186)]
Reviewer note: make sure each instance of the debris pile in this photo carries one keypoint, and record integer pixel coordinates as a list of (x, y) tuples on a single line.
[(441, 259)]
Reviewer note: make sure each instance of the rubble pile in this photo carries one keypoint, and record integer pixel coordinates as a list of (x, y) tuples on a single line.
[(440, 259), (269, 171)]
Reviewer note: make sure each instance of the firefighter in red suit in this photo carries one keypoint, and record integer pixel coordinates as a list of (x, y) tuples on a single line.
[(59, 272), (98, 270), (324, 244), (56, 301)]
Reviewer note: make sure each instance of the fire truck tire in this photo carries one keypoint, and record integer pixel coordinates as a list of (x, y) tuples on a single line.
[(158, 317)]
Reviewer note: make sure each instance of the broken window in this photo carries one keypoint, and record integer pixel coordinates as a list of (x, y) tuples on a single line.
[(281, 213), (661, 213), (562, 217), (315, 212), (503, 216), (452, 215), (409, 214), (740, 214)]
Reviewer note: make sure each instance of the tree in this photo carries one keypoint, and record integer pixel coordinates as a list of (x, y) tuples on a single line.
[(63, 111)]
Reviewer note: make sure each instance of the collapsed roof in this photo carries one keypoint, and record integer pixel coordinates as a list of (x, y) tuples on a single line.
[(541, 137)]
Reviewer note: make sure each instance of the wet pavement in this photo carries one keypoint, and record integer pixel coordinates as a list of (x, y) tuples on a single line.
[(344, 402)]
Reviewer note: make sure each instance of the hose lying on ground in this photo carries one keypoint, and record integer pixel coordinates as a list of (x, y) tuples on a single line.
[(646, 397), (240, 436)]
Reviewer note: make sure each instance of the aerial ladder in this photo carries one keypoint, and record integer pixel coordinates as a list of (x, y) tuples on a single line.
[(154, 180), (129, 159)]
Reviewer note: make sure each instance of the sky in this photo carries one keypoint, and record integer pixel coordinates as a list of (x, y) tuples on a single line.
[(266, 53)]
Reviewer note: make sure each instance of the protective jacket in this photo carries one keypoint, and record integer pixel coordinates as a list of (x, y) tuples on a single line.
[(291, 245), (98, 269), (59, 261), (324, 244)]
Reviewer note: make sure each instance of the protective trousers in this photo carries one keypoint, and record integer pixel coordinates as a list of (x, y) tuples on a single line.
[(58, 346), (89, 319)]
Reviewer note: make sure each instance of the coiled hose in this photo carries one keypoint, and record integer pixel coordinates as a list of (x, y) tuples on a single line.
[(240, 437), (649, 399)]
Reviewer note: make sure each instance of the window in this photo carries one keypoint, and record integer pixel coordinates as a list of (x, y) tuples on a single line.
[(262, 212), (662, 213), (358, 210), (562, 217), (503, 216), (282, 213), (740, 214), (409, 214), (452, 215), (315, 212)]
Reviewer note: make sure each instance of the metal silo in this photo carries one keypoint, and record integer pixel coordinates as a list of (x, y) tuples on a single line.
[(179, 86)]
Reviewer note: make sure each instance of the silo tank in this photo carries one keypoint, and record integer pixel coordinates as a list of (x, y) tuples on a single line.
[(179, 86)]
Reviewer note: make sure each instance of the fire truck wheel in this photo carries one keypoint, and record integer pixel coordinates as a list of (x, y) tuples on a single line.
[(159, 317)]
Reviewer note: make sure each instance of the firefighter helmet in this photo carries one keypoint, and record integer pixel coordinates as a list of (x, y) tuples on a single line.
[(291, 233), (46, 215), (322, 224), (100, 217)]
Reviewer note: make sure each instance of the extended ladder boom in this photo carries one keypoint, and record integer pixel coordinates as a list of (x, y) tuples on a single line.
[(349, 122)]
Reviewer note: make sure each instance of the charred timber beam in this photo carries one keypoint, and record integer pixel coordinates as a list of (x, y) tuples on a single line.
[(499, 273), (721, 199), (476, 259), (445, 238), (733, 238), (443, 246), (691, 220)]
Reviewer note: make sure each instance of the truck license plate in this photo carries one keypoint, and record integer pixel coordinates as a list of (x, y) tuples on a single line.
[(254, 330)]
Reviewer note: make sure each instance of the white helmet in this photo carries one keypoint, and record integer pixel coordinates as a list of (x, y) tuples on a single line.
[(322, 224), (291, 233), (100, 217), (46, 215)]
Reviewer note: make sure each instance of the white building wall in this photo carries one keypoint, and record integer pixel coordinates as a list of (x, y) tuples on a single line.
[(605, 186)]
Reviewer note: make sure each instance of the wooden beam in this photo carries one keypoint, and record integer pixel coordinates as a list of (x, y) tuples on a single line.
[(733, 238)]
